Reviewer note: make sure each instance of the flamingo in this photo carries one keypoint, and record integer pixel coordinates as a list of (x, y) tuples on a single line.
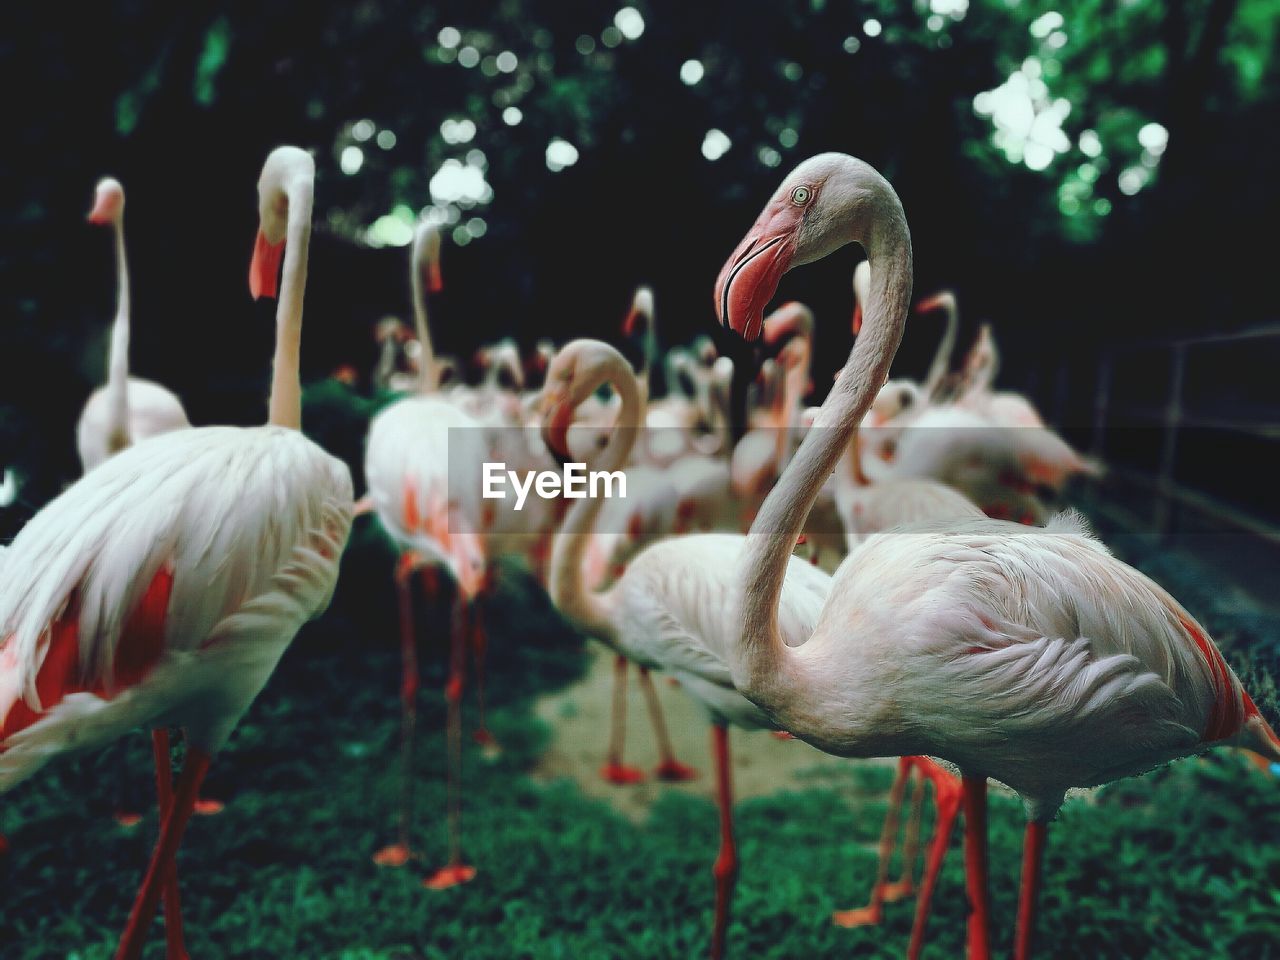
[(889, 404), (667, 611), (426, 512), (1032, 657), (164, 585), (1003, 406), (866, 508), (128, 409), (583, 557)]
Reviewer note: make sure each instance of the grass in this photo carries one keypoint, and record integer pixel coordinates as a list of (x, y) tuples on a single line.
[(1184, 862)]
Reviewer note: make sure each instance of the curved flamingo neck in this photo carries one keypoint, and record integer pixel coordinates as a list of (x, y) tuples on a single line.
[(763, 666), (118, 362), (946, 346), (428, 374), (286, 386), (567, 583)]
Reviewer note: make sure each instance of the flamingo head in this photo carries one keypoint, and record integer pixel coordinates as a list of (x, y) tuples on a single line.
[(108, 202), (287, 170), (391, 328), (426, 255), (824, 203), (792, 319), (943, 300), (640, 314), (572, 376)]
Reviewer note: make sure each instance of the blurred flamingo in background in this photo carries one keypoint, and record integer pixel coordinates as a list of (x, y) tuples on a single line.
[(1031, 657), (667, 610), (164, 586), (434, 519), (582, 559), (127, 410)]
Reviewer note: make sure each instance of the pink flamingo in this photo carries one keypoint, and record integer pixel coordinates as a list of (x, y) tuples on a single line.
[(1031, 657), (583, 559), (425, 512), (667, 611), (164, 586), (126, 410)]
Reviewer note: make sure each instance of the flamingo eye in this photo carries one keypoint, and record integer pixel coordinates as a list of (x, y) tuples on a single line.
[(800, 196)]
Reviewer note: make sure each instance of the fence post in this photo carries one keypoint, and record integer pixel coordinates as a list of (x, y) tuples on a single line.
[(1101, 404), (1169, 449)]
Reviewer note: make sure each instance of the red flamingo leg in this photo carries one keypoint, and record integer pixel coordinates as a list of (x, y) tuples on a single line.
[(975, 866), (871, 913), (479, 651), (456, 871), (726, 865), (669, 768), (946, 795), (905, 885), (1032, 863), (174, 947), (614, 770), (399, 853), (144, 906)]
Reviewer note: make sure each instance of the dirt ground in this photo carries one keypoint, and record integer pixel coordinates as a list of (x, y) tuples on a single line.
[(580, 717)]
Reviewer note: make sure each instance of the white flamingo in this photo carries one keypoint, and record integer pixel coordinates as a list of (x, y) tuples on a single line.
[(128, 409), (1031, 657), (164, 586), (667, 611), (433, 517)]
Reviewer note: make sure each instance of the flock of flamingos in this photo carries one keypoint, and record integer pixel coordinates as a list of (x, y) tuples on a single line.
[(963, 623)]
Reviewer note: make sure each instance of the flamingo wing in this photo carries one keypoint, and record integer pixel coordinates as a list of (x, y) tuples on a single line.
[(138, 562)]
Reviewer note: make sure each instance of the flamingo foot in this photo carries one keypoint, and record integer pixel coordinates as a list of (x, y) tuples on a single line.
[(396, 855), (127, 818), (673, 771), (898, 890), (490, 748), (621, 775), (206, 807), (450, 876), (860, 917), (781, 735)]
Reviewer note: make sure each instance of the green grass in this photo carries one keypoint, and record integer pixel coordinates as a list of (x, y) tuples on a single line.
[(1182, 863)]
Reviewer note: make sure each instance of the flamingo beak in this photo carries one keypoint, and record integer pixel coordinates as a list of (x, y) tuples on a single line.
[(555, 428), (100, 215), (264, 269), (629, 324), (749, 279)]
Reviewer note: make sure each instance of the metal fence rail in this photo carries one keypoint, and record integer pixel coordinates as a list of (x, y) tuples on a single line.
[(1170, 493)]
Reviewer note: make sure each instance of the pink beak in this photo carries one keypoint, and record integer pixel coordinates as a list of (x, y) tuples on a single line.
[(100, 214), (749, 279), (629, 324), (555, 429), (264, 269)]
